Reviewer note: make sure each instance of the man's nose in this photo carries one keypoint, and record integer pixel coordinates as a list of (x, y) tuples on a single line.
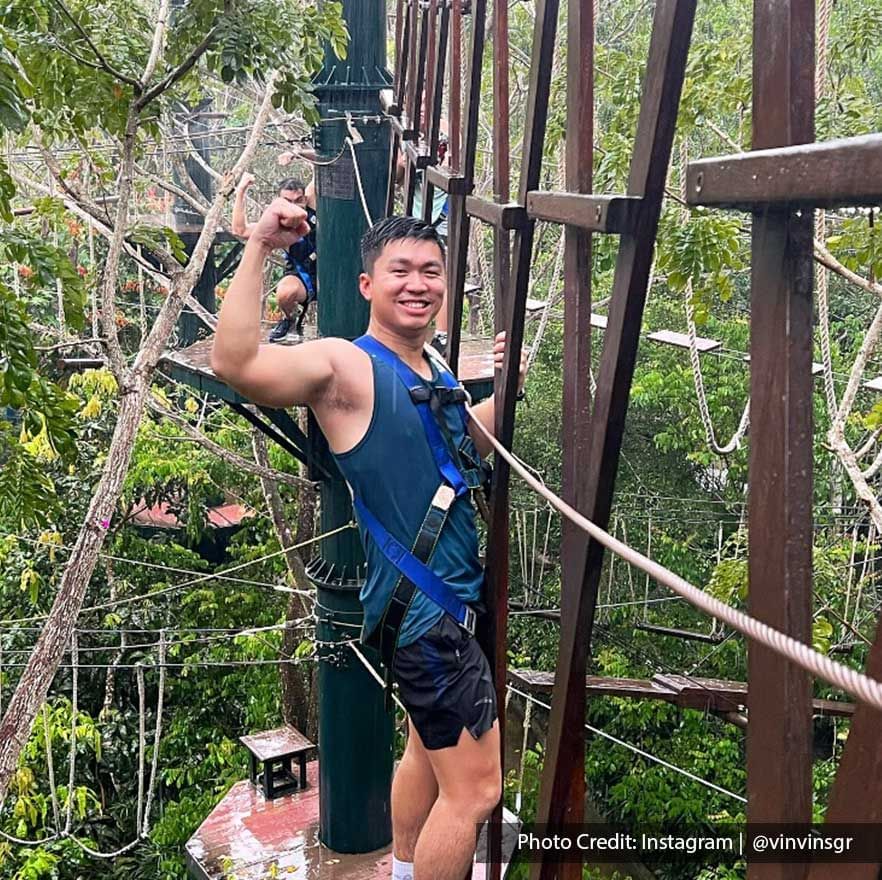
[(416, 281)]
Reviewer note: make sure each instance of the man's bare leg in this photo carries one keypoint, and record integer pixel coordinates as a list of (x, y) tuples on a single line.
[(414, 791), (290, 293), (470, 785)]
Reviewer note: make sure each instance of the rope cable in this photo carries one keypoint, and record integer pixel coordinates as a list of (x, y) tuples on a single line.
[(638, 751), (860, 686)]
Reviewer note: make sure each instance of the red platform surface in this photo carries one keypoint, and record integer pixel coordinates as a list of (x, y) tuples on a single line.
[(251, 838)]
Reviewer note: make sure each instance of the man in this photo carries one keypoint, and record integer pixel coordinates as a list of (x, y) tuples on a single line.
[(298, 287), (449, 779)]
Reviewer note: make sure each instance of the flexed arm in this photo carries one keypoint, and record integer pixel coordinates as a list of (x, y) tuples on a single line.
[(271, 375), (240, 225)]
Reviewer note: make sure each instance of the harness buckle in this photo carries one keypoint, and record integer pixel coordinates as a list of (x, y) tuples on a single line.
[(444, 497), (471, 621)]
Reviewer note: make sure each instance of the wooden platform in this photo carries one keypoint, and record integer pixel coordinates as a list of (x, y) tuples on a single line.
[(192, 366), (251, 838), (705, 694)]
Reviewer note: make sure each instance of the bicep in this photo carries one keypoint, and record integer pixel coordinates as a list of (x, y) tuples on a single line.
[(281, 376)]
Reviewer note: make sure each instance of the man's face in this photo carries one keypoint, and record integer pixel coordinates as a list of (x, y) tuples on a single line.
[(297, 196), (407, 285)]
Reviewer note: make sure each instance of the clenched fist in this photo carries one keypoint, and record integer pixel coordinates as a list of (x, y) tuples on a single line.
[(245, 182), (280, 225)]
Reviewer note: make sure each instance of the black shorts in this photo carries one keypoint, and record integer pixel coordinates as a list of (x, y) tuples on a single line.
[(306, 279), (445, 684)]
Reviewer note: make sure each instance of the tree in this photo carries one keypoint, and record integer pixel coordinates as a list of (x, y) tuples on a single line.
[(107, 68)]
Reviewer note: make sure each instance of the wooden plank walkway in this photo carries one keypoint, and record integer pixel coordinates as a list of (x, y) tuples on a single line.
[(707, 694)]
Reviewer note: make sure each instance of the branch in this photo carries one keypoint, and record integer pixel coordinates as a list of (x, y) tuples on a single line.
[(232, 458), (196, 155), (180, 71), (825, 258), (156, 46), (183, 284), (72, 189), (105, 64), (198, 205)]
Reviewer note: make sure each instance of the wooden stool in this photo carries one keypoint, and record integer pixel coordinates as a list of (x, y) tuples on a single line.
[(276, 750)]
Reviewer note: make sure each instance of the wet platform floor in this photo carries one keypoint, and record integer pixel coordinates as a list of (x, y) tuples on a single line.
[(251, 838)]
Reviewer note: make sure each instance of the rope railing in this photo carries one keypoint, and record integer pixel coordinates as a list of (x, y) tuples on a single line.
[(860, 686)]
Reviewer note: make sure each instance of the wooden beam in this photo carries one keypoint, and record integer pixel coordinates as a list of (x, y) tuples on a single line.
[(513, 314), (829, 174), (779, 736), (857, 789), (663, 80), (609, 214), (499, 216), (458, 221), (687, 692), (451, 182)]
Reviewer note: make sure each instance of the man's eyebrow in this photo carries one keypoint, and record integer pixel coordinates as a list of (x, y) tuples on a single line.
[(396, 262)]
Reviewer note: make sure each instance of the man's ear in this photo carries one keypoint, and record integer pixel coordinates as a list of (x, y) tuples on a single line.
[(364, 286)]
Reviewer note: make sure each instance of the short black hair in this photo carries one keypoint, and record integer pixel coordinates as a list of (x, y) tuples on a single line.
[(292, 183), (394, 228)]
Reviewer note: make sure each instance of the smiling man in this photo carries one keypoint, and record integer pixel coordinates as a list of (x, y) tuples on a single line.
[(382, 401)]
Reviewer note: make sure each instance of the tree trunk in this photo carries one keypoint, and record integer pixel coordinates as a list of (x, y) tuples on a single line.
[(297, 680)]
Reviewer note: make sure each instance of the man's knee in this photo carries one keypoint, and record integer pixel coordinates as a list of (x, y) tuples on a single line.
[(290, 293), (486, 794)]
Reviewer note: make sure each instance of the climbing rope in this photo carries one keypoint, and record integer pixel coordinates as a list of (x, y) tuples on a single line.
[(694, 359), (860, 686), (143, 811), (821, 278)]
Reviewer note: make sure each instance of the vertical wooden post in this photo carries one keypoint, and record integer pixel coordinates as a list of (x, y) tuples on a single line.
[(563, 775), (455, 132), (501, 160), (495, 638), (458, 222), (779, 754), (577, 346)]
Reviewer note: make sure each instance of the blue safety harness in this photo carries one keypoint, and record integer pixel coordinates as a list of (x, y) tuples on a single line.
[(458, 478)]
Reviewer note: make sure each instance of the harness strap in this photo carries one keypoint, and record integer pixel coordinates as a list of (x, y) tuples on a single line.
[(412, 564), (384, 636), (417, 389)]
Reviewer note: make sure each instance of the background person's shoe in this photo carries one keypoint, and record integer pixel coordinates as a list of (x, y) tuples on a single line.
[(280, 331)]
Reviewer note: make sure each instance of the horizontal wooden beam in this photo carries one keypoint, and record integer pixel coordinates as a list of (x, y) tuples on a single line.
[(452, 184), (417, 156), (402, 127), (688, 692), (508, 215), (610, 214), (824, 175)]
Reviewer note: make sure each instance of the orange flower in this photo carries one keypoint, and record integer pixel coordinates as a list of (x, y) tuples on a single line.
[(25, 272)]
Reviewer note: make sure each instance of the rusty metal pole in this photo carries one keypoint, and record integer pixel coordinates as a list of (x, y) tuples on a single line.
[(779, 736)]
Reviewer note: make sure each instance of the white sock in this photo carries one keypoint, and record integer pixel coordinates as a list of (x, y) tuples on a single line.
[(401, 870)]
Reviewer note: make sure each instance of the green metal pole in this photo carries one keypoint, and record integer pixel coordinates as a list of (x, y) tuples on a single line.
[(355, 730)]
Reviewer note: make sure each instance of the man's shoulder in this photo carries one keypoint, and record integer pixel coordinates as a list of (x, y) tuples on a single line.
[(347, 359)]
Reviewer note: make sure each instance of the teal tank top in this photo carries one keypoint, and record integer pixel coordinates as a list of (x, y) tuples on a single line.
[(391, 469)]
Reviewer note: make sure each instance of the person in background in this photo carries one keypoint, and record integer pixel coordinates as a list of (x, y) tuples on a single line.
[(298, 287)]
